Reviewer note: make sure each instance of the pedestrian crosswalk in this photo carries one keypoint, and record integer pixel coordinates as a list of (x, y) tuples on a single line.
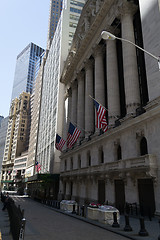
[(19, 198)]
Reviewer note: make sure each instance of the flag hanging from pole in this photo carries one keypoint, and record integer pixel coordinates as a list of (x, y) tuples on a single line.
[(73, 135), (101, 117), (38, 166), (59, 142)]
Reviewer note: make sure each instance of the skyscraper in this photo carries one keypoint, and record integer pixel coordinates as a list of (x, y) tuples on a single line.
[(54, 14), (3, 133), (17, 135), (25, 70), (52, 91)]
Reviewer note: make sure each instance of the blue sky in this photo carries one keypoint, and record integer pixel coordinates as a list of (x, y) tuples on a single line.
[(21, 22)]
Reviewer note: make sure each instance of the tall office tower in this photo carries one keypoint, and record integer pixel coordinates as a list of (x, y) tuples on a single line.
[(52, 92), (54, 14), (3, 133), (1, 117), (17, 135), (25, 69), (35, 101)]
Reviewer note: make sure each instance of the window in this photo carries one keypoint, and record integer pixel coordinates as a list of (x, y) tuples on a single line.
[(65, 165), (101, 156), (88, 159), (75, 10), (74, 25), (143, 146), (74, 17), (79, 161), (119, 153), (71, 164), (77, 3)]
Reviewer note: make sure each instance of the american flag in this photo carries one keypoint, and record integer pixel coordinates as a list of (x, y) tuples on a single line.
[(101, 117), (59, 142), (38, 166), (73, 134)]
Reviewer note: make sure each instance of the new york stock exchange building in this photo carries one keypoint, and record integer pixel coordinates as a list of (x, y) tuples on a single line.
[(122, 164)]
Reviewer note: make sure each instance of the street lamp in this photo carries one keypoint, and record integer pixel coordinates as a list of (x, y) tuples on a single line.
[(109, 36)]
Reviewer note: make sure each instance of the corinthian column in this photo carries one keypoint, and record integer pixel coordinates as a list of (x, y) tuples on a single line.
[(89, 107), (129, 59), (74, 103), (67, 113), (99, 76), (112, 83), (80, 105)]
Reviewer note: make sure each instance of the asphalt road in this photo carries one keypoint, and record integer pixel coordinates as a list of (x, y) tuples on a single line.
[(47, 224)]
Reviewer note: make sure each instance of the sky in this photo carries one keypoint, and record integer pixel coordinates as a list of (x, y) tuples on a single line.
[(21, 22)]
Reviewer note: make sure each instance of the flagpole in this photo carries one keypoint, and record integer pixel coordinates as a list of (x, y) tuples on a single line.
[(98, 102), (101, 105), (77, 125)]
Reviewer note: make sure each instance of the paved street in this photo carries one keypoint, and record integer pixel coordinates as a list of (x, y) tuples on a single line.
[(45, 223)]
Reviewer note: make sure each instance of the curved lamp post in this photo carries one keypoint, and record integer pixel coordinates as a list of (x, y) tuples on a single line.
[(109, 36)]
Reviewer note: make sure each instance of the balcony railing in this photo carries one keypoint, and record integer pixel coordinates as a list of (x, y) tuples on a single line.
[(142, 163)]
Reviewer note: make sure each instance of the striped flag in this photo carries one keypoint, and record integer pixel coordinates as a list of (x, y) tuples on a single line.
[(73, 134), (101, 117), (38, 166), (59, 142)]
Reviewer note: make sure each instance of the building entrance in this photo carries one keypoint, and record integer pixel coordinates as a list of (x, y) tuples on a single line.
[(101, 191), (119, 195), (146, 196)]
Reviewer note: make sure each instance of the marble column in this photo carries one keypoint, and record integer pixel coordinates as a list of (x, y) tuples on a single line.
[(112, 82), (67, 114), (74, 103), (80, 105), (129, 59), (89, 106), (99, 77)]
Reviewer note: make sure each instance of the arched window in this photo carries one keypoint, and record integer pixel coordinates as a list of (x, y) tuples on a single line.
[(143, 146), (119, 153)]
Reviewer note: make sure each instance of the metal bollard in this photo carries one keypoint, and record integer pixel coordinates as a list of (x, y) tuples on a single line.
[(58, 204), (159, 226), (22, 230), (78, 210), (74, 207), (82, 211), (115, 223), (142, 231), (127, 227)]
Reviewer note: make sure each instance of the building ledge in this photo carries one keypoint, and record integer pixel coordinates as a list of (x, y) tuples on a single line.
[(144, 165)]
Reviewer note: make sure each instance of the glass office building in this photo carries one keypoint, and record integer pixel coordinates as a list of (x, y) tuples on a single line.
[(25, 69), (54, 15)]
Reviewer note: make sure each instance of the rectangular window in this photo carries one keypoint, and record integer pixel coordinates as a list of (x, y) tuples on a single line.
[(75, 10)]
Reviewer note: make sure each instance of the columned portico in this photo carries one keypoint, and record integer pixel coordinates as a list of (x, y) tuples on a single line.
[(129, 60)]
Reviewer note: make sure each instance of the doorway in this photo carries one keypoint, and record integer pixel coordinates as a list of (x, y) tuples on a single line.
[(119, 195), (101, 191), (146, 197)]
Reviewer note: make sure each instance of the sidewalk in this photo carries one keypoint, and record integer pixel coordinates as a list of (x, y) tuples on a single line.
[(152, 227), (4, 224)]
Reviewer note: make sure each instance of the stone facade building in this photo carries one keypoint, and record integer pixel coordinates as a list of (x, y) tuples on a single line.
[(17, 136), (121, 165)]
